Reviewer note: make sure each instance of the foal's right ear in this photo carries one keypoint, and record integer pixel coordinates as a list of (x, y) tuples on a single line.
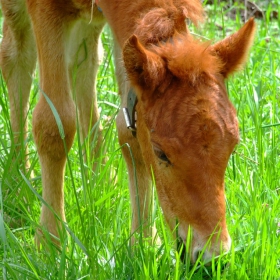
[(144, 68), (233, 50)]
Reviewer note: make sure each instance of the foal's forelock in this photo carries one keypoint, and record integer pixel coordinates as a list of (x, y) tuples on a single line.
[(187, 58)]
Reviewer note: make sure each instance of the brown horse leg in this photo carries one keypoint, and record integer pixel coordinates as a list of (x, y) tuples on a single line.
[(139, 179), (85, 59), (51, 30), (18, 59)]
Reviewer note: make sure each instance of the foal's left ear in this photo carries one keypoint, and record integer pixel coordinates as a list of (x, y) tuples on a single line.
[(234, 49), (144, 68)]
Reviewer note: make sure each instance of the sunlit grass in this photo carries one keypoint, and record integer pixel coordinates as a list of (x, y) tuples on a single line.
[(97, 203)]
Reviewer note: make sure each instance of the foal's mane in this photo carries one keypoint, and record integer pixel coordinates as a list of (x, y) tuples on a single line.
[(164, 18)]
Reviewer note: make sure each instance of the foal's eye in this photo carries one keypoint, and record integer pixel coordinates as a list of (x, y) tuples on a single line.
[(160, 154)]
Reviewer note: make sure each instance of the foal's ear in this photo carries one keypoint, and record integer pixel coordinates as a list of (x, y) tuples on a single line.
[(144, 68), (234, 49)]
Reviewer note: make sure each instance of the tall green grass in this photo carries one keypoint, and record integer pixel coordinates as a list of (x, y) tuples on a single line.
[(97, 203)]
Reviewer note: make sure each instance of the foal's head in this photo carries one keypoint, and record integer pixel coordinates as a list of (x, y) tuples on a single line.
[(187, 129)]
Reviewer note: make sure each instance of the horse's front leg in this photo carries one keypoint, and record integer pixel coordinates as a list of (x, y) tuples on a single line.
[(85, 56), (54, 115), (17, 60)]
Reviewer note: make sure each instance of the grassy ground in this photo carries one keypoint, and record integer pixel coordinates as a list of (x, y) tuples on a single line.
[(97, 204)]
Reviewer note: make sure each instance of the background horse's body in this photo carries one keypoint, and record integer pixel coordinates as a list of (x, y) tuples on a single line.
[(186, 126)]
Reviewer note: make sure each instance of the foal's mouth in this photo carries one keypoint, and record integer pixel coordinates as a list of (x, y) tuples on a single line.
[(184, 254), (181, 249)]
